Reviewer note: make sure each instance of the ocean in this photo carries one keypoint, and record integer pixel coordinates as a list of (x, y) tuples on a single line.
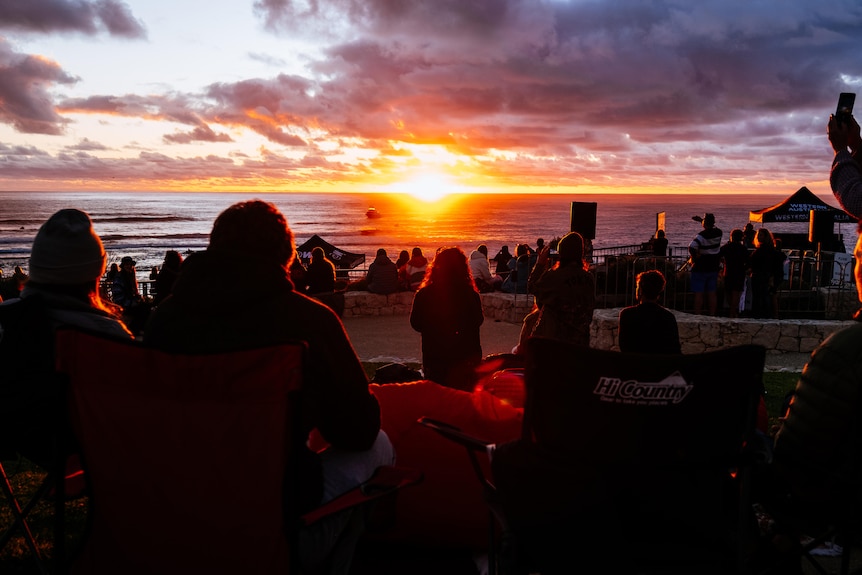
[(144, 225)]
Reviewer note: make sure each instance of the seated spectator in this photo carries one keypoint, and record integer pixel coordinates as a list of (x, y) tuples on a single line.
[(401, 264), (519, 271), (381, 278), (266, 310), (416, 267), (124, 292), (320, 274), (501, 262), (648, 327), (481, 270), (298, 275), (167, 275), (67, 261)]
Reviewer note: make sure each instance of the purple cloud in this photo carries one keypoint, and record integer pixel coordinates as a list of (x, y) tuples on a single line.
[(25, 102), (82, 16)]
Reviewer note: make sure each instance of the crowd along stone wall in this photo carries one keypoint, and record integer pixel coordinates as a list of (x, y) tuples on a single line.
[(697, 333)]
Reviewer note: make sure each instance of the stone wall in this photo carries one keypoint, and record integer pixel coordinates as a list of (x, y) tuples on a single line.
[(698, 333), (496, 306)]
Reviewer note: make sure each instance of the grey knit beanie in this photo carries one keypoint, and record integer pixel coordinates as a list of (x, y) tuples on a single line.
[(67, 250)]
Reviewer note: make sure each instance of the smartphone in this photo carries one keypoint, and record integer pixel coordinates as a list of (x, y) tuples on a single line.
[(845, 106)]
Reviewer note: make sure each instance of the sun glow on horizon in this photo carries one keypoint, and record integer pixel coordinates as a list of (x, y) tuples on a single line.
[(428, 186)]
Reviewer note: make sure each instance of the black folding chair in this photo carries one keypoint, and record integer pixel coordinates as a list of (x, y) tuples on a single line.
[(638, 460)]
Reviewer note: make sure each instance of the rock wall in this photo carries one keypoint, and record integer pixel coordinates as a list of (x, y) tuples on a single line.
[(497, 306), (698, 333)]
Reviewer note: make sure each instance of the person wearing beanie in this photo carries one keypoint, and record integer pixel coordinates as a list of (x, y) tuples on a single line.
[(67, 260), (565, 293)]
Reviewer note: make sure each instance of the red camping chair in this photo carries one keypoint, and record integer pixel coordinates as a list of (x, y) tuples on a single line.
[(637, 459), (187, 456)]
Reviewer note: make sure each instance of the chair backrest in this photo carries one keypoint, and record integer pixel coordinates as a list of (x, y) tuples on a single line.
[(186, 456), (640, 407), (656, 438)]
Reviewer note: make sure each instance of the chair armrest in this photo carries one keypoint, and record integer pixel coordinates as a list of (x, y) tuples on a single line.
[(387, 479), (455, 434), (473, 444)]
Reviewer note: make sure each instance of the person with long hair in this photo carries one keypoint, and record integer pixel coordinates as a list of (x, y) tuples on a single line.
[(67, 261), (447, 311), (767, 272)]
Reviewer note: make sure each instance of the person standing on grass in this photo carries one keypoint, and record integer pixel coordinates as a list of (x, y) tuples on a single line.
[(705, 263), (266, 310), (447, 311)]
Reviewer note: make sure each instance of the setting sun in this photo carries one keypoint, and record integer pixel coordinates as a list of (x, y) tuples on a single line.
[(428, 186)]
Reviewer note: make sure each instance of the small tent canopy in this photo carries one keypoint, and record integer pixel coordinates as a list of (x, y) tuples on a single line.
[(797, 208), (342, 259)]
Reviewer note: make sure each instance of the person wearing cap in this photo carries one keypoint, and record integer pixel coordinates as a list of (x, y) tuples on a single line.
[(67, 260), (565, 293), (705, 251), (124, 291)]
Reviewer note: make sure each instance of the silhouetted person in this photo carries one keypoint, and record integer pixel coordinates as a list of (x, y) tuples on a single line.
[(519, 271), (648, 327), (846, 175), (67, 261), (447, 311), (659, 244), (565, 292), (705, 262), (501, 262), (320, 275), (265, 310), (767, 273), (415, 269), (167, 276), (734, 254), (480, 267), (381, 277)]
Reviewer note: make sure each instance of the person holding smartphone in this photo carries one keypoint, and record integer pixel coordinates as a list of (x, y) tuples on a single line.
[(846, 175)]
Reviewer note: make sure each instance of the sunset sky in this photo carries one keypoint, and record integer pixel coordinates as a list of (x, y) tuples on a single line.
[(423, 95)]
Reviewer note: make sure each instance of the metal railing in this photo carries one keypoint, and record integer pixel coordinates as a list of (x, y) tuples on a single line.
[(814, 287)]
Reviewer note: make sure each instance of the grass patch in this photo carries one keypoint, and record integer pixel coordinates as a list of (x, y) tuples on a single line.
[(777, 384)]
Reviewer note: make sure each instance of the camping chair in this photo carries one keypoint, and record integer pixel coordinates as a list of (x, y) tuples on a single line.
[(187, 456), (46, 490), (637, 459)]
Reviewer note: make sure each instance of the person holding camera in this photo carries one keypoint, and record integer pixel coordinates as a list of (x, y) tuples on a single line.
[(846, 175)]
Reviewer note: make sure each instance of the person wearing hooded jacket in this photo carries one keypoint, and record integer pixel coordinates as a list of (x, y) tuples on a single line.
[(415, 268), (266, 310), (481, 269)]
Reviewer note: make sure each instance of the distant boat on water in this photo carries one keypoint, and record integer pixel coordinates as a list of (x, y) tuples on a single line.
[(372, 213)]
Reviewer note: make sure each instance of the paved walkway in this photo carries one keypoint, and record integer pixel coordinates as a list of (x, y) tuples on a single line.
[(391, 339), (388, 339)]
